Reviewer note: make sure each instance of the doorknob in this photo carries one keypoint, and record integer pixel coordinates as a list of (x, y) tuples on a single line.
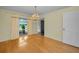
[(63, 29)]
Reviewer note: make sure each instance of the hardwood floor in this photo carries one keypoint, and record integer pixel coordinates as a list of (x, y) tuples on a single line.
[(35, 44)]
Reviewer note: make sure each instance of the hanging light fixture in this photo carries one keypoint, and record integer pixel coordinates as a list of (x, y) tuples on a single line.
[(35, 15)]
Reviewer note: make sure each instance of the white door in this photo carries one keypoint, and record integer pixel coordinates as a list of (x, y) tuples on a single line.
[(71, 28)]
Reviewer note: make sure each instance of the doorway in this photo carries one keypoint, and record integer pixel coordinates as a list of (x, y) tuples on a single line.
[(42, 27), (22, 27)]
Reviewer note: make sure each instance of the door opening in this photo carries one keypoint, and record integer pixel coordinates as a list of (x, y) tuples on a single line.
[(42, 27), (22, 26)]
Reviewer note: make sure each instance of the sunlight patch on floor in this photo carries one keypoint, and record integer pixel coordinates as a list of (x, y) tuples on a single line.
[(23, 41)]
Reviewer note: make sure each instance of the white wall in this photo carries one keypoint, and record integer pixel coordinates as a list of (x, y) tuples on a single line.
[(4, 27), (6, 19), (54, 22), (71, 28)]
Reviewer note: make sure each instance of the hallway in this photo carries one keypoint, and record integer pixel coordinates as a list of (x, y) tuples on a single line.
[(36, 44)]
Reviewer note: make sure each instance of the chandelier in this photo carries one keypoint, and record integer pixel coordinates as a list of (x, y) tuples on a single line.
[(35, 15)]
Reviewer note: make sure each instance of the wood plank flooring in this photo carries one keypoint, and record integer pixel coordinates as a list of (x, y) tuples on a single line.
[(36, 44)]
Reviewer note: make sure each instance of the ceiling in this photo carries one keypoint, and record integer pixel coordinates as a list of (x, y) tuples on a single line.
[(29, 9)]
